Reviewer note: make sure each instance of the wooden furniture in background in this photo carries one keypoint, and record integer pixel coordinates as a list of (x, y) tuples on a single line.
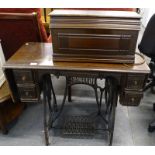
[(18, 28), (9, 111)]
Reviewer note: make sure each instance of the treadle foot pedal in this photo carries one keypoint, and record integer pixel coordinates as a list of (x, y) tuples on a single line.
[(78, 126)]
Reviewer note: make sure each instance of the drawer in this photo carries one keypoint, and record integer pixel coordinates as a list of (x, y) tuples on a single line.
[(135, 82), (23, 76), (131, 98), (28, 93)]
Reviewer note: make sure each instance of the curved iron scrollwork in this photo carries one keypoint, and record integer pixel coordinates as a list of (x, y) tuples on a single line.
[(111, 96)]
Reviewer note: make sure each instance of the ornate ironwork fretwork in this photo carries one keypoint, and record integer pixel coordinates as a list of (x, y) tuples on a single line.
[(111, 95)]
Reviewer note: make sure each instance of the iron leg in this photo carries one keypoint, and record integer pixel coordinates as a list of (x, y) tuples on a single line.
[(69, 94)]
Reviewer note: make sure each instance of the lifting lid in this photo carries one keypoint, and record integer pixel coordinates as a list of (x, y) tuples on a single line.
[(86, 19)]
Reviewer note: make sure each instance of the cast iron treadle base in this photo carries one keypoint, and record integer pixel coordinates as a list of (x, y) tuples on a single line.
[(79, 126)]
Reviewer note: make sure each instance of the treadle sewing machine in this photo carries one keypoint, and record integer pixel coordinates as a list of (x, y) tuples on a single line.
[(28, 70)]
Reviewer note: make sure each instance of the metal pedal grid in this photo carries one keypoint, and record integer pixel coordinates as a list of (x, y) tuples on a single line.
[(80, 125)]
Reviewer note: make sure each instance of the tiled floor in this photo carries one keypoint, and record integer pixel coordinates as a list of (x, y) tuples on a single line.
[(130, 126)]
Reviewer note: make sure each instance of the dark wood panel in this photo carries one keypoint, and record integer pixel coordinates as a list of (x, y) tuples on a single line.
[(94, 38), (94, 43), (95, 19)]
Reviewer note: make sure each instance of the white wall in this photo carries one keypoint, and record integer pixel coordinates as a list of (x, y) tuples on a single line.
[(146, 14)]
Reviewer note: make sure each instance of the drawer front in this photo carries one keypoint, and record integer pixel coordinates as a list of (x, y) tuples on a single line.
[(135, 82), (28, 93), (23, 76), (132, 98)]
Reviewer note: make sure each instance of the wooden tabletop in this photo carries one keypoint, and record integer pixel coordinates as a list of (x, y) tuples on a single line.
[(39, 56)]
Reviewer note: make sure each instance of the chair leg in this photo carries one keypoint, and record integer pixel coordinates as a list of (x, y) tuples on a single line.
[(154, 107), (151, 127), (45, 14), (3, 128), (46, 132), (69, 94), (5, 131), (150, 84)]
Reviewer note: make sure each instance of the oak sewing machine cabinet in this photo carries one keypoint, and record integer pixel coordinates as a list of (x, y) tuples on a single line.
[(29, 70)]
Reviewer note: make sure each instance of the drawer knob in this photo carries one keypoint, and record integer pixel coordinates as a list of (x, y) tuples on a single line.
[(23, 78), (135, 82), (132, 99), (27, 93)]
